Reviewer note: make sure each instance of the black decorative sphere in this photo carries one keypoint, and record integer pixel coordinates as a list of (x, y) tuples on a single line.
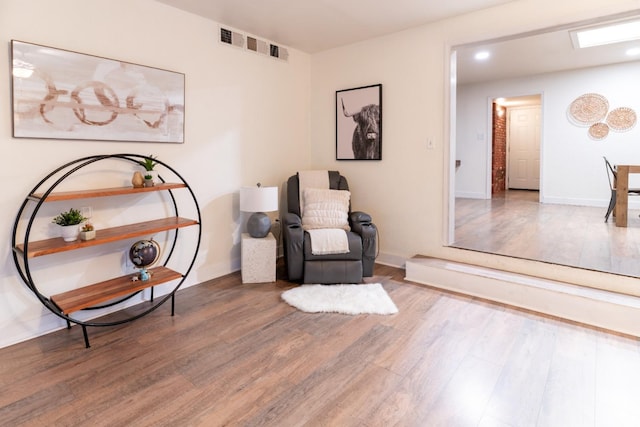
[(143, 253), (259, 225)]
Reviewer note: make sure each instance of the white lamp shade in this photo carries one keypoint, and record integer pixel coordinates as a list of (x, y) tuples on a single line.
[(259, 199)]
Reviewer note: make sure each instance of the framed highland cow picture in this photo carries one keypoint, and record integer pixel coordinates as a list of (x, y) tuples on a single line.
[(359, 123)]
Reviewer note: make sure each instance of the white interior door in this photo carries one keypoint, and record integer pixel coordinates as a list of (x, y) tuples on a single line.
[(523, 140)]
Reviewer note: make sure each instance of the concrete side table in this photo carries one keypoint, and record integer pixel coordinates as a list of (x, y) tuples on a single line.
[(258, 259)]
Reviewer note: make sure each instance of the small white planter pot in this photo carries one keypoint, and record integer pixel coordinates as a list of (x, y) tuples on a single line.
[(88, 235), (70, 232), (154, 176)]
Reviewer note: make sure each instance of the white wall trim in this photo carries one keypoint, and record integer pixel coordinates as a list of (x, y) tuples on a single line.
[(599, 308), (470, 195), (391, 260)]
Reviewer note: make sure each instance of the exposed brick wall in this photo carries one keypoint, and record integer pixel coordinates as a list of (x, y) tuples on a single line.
[(499, 151)]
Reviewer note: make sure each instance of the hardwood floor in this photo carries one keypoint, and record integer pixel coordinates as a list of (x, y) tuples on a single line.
[(515, 224), (236, 355)]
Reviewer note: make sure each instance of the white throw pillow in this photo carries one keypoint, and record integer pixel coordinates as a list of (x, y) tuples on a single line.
[(324, 208)]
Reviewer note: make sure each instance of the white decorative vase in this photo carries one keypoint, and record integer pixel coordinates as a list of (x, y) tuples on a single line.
[(137, 180), (70, 232)]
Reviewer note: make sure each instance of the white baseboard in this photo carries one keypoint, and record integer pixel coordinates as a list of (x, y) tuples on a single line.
[(32, 328), (470, 195), (603, 309), (47, 322), (391, 260)]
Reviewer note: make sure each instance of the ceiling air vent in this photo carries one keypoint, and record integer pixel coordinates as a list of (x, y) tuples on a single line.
[(254, 44), (231, 37), (283, 53)]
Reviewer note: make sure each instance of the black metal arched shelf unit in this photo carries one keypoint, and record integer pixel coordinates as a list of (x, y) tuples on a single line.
[(113, 291)]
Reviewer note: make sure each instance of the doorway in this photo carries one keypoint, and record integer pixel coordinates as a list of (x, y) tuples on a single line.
[(523, 153), (516, 126)]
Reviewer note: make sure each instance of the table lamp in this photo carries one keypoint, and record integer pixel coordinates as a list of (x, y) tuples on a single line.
[(259, 200)]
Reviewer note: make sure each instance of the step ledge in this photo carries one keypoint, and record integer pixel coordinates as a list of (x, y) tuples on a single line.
[(521, 279), (603, 309)]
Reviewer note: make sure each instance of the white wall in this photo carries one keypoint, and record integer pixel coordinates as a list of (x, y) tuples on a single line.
[(402, 190), (247, 121), (572, 166), (408, 191)]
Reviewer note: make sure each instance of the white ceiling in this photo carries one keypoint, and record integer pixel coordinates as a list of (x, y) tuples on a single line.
[(541, 52), (316, 25)]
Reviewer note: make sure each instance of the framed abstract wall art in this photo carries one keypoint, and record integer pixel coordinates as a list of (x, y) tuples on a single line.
[(359, 123), (62, 94)]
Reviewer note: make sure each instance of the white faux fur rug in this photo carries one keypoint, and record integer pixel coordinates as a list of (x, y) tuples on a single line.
[(346, 299)]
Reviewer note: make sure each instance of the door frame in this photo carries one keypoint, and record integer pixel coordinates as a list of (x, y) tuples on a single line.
[(489, 157)]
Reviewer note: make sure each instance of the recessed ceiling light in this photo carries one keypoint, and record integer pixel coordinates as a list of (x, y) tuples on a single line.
[(481, 56), (606, 34), (634, 51)]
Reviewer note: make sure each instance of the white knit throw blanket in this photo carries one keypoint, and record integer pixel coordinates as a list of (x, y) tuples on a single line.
[(326, 241)]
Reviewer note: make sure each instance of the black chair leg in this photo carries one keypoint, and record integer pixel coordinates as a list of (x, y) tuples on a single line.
[(612, 204)]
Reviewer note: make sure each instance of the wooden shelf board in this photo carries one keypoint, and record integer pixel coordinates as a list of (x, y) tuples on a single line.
[(97, 293), (57, 244), (104, 192)]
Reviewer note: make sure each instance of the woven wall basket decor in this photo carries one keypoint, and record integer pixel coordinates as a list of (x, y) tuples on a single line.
[(621, 119), (589, 108), (598, 130)]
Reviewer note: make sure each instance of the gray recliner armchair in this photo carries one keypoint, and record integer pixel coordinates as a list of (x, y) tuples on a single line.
[(304, 266)]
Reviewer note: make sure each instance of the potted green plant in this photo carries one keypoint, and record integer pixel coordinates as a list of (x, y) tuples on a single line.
[(87, 232), (69, 222), (149, 164)]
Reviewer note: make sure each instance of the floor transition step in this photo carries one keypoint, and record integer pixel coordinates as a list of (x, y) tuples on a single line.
[(604, 309)]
